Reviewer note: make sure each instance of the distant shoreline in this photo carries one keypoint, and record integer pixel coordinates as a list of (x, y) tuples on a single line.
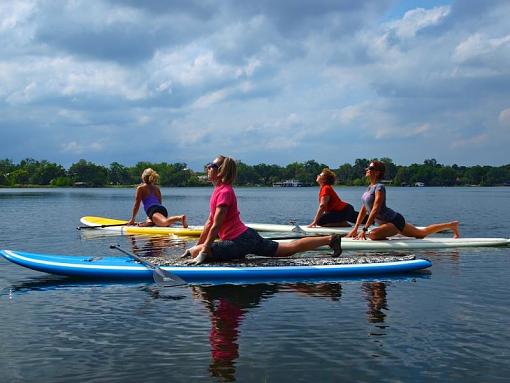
[(237, 186)]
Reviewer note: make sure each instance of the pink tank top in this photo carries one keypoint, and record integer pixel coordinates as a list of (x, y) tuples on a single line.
[(232, 226)]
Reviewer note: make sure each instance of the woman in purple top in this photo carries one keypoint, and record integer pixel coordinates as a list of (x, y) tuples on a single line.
[(149, 194), (389, 221)]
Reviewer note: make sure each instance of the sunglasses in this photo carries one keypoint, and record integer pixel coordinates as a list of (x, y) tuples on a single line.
[(212, 165), (370, 168)]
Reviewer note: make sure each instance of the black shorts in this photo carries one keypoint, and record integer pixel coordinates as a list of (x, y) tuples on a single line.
[(399, 222), (336, 217), (156, 209), (249, 242)]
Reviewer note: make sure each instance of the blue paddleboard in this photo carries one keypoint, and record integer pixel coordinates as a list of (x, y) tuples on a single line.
[(123, 267)]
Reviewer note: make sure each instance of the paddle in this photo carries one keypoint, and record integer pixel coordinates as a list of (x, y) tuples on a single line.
[(161, 277), (100, 226), (297, 228)]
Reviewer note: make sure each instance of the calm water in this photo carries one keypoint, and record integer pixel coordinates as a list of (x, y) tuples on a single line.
[(448, 324)]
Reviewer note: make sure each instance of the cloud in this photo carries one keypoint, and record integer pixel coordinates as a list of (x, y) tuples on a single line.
[(265, 81), (80, 148), (416, 20), (504, 117)]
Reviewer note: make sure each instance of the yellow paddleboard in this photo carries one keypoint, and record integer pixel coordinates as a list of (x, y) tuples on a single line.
[(102, 223)]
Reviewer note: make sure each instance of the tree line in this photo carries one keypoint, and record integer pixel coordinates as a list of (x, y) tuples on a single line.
[(85, 173)]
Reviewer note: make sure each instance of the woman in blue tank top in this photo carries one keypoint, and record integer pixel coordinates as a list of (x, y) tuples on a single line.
[(389, 221), (149, 194)]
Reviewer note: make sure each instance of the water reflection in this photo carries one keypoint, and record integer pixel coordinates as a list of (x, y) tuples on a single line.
[(331, 291), (227, 306), (155, 246), (375, 293)]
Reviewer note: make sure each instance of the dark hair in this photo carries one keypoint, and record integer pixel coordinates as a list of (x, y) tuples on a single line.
[(379, 167), (330, 176)]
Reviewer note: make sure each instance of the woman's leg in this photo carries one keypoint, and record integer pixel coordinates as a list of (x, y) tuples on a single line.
[(160, 220), (333, 219), (383, 232), (412, 231), (300, 245)]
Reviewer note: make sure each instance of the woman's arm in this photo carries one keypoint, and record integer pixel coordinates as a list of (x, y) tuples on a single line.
[(205, 231), (136, 205), (322, 207), (361, 215), (219, 217)]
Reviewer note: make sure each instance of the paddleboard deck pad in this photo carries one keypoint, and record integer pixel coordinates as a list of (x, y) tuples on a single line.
[(252, 268)]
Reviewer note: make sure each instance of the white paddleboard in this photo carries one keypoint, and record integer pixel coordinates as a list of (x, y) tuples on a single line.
[(403, 243)]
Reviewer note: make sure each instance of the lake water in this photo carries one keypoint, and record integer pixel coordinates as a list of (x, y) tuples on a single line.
[(450, 323)]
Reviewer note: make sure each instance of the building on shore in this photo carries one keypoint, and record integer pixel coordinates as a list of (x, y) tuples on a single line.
[(288, 184)]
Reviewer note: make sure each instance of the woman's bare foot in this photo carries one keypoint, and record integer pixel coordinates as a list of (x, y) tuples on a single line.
[(455, 229), (184, 222), (147, 223)]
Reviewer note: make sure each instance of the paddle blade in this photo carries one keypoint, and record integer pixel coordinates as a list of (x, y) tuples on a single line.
[(164, 278)]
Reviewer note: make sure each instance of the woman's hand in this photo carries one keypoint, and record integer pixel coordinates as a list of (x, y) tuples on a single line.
[(353, 232), (131, 222), (313, 224), (362, 235)]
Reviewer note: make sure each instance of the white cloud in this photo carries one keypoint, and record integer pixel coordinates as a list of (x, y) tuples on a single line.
[(417, 19), (271, 81), (209, 99), (80, 148), (504, 117), (470, 142), (15, 13), (480, 45)]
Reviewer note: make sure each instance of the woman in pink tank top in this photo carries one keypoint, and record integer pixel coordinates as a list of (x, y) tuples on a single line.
[(236, 239)]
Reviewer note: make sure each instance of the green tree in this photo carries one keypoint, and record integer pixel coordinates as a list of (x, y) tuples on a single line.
[(292, 171), (311, 169), (119, 175), (267, 174), (344, 174), (88, 173), (246, 175), (42, 173), (62, 181), (447, 176), (18, 177), (6, 167), (391, 168), (172, 174), (403, 176), (496, 176)]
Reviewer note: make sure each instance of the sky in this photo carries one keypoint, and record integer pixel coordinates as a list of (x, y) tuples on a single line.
[(262, 81)]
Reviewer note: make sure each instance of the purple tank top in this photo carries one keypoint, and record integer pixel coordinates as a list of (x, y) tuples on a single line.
[(385, 214), (150, 201)]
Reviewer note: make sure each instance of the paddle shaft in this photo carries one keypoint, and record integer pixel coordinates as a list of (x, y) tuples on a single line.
[(160, 276), (100, 226)]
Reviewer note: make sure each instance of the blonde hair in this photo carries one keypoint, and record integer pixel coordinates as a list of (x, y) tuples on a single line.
[(330, 176), (227, 170), (149, 176)]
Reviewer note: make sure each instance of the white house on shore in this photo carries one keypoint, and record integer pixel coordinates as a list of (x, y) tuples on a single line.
[(288, 184)]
